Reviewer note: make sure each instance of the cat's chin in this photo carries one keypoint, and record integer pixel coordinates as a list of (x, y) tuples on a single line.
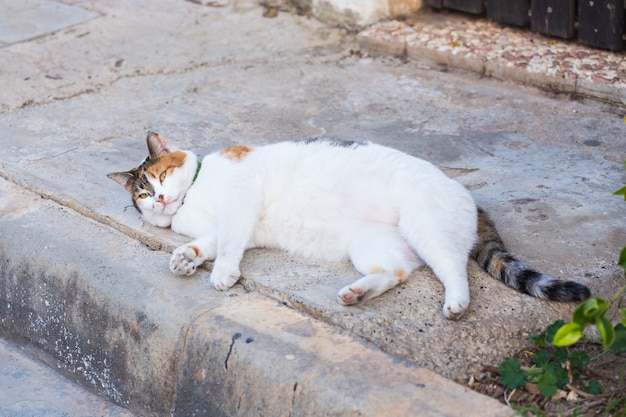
[(160, 220), (171, 208)]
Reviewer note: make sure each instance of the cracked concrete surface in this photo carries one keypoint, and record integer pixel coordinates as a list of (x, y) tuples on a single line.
[(85, 58), (543, 165)]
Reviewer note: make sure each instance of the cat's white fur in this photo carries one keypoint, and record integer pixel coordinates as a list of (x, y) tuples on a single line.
[(386, 211)]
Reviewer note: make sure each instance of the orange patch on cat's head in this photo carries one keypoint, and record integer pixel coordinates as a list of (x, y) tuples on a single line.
[(235, 153), (165, 163)]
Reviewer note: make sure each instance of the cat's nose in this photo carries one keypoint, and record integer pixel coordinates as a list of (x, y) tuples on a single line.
[(161, 199)]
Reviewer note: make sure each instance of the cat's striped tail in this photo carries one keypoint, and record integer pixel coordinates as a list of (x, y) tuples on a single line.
[(492, 256)]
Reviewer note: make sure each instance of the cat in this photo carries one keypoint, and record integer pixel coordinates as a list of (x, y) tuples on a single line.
[(384, 210)]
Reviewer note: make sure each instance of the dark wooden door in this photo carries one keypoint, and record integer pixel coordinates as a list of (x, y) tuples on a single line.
[(513, 12), (553, 17), (601, 23), (469, 6)]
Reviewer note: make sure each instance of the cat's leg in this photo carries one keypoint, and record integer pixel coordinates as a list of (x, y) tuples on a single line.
[(236, 224), (185, 259), (451, 269), (384, 259), (444, 246)]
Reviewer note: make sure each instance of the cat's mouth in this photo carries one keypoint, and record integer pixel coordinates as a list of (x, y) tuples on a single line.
[(169, 207)]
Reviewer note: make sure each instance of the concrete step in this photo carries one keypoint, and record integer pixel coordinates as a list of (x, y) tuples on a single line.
[(101, 307)]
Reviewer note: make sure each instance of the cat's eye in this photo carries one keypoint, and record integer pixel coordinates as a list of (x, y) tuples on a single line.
[(162, 177), (143, 195)]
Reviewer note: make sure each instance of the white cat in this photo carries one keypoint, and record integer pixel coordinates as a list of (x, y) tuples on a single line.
[(386, 211)]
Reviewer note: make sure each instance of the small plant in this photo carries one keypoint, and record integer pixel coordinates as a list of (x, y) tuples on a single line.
[(555, 366), (616, 405), (592, 313)]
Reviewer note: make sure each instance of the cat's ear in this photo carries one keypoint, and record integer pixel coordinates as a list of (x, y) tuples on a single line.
[(125, 179), (157, 145)]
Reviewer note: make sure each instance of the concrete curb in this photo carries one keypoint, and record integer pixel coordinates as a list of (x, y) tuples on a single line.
[(104, 310)]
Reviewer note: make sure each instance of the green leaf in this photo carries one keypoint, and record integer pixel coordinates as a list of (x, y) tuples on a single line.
[(511, 376), (558, 372), (561, 354), (547, 384), (568, 334), (541, 357), (580, 315), (545, 338), (539, 339), (579, 359), (534, 374), (622, 256), (621, 191), (589, 311), (619, 345), (593, 387), (607, 333)]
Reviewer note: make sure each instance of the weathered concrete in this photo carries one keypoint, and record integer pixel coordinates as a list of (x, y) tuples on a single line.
[(32, 389), (79, 279), (104, 309)]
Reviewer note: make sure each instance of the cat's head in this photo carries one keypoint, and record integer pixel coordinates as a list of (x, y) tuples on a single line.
[(159, 184)]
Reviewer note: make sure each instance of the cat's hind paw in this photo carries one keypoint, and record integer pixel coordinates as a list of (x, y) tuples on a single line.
[(183, 261), (453, 310)]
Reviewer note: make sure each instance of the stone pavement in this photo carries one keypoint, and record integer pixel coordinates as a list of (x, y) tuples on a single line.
[(31, 389), (85, 284), (501, 51)]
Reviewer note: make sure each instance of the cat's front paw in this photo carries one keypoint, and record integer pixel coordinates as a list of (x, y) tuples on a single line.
[(183, 261), (223, 278), (350, 295)]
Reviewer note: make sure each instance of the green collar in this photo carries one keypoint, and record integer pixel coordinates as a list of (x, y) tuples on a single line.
[(197, 172)]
